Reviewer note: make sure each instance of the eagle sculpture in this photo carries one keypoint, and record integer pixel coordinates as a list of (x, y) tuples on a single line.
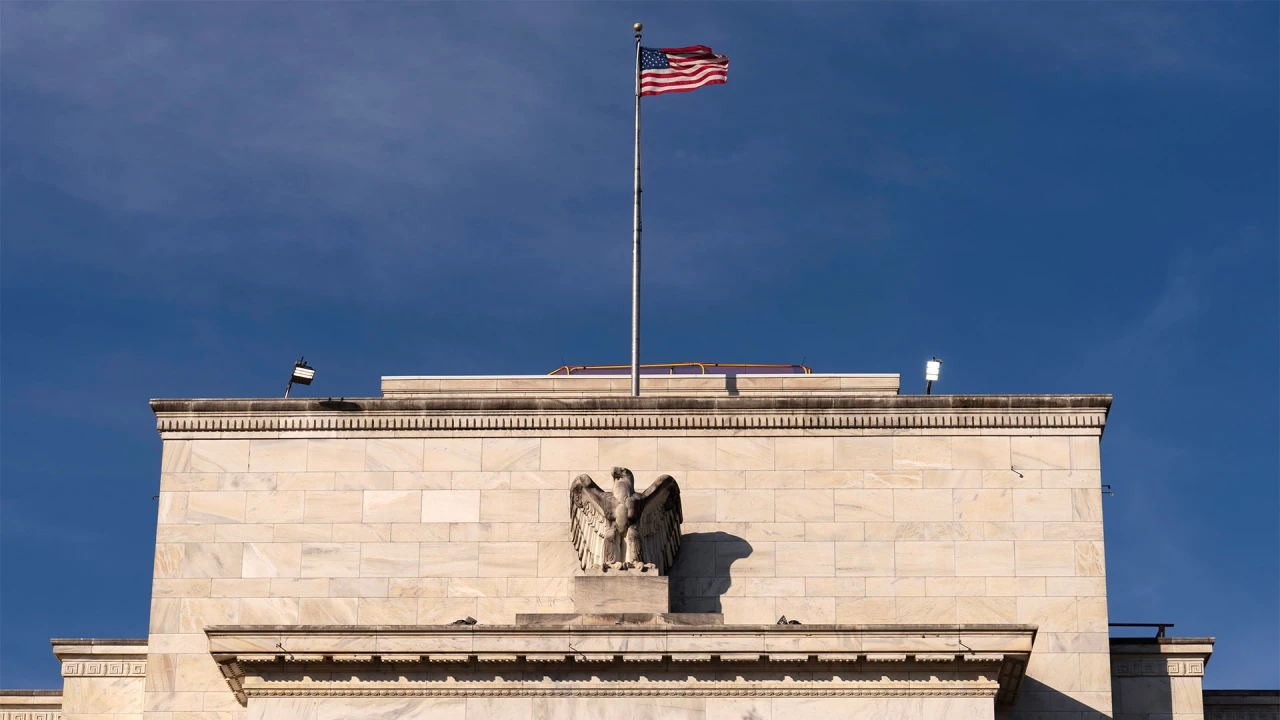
[(625, 529)]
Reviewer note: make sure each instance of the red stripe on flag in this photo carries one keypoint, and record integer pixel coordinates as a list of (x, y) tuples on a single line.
[(700, 63), (681, 89), (679, 81), (690, 49), (677, 60), (649, 75)]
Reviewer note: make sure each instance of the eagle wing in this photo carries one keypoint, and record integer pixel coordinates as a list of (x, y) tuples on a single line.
[(590, 516), (659, 523)]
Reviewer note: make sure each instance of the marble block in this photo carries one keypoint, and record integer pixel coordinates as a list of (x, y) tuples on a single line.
[(620, 593)]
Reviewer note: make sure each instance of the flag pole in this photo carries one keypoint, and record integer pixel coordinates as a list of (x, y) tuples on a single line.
[(635, 242)]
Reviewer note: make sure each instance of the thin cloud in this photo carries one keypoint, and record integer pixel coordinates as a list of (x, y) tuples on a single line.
[(294, 149), (169, 109)]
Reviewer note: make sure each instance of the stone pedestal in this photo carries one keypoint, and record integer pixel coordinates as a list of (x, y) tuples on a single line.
[(620, 591)]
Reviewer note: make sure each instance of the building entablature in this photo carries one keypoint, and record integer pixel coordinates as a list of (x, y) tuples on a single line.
[(30, 705), (653, 415), (1160, 656), (101, 657), (596, 660)]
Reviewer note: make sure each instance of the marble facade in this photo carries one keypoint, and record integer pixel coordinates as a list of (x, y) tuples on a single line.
[(945, 554)]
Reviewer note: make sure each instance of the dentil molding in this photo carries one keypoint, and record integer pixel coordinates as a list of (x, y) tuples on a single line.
[(655, 414)]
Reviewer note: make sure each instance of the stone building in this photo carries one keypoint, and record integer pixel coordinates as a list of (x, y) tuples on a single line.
[(944, 556)]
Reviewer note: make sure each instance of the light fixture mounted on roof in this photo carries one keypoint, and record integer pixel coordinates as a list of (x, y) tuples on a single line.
[(303, 374), (931, 370)]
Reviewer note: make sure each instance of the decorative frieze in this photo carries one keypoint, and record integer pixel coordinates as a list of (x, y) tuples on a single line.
[(628, 657), (1157, 667), (104, 668), (1160, 657), (917, 689)]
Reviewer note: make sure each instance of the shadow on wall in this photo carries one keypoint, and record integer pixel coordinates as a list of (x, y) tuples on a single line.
[(731, 384), (1037, 700), (701, 575), (1140, 698)]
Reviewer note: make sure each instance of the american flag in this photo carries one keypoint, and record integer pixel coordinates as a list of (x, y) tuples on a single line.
[(680, 69)]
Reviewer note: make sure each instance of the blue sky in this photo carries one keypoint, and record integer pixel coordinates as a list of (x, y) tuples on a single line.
[(1052, 197)]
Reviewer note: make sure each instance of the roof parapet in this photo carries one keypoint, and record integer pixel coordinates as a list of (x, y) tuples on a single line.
[(727, 385)]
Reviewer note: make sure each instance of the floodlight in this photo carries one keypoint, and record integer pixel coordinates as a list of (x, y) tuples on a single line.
[(303, 374), (931, 370)]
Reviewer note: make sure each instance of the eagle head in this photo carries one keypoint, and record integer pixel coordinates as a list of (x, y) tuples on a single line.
[(624, 483)]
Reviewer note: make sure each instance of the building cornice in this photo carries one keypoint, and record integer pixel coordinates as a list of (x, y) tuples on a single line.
[(1164, 656), (30, 704), (665, 414), (607, 661), (101, 657)]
